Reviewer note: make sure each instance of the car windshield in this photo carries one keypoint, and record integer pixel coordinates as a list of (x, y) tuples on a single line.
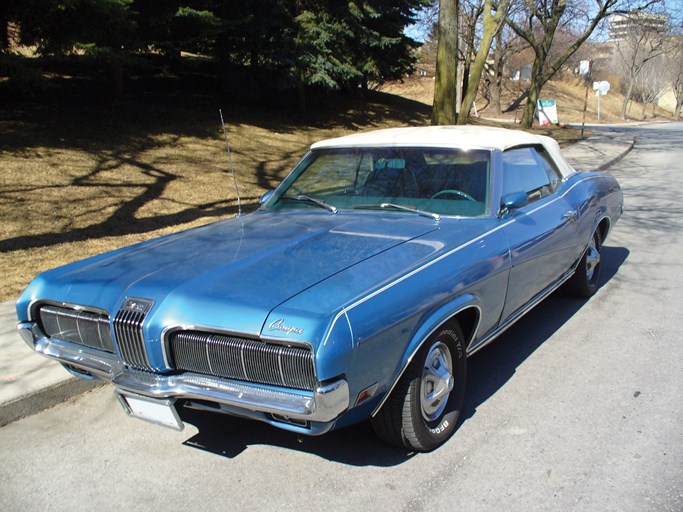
[(437, 180)]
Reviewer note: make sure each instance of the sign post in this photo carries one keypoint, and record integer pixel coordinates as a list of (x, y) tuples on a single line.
[(600, 88)]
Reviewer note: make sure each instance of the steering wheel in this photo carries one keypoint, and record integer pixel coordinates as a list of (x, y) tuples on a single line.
[(454, 192)]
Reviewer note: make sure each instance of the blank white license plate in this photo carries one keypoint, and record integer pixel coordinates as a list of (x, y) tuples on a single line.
[(161, 412)]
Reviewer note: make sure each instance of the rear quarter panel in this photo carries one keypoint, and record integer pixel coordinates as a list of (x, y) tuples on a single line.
[(596, 196)]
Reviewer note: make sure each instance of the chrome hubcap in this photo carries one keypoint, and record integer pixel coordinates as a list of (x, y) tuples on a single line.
[(592, 259), (437, 381)]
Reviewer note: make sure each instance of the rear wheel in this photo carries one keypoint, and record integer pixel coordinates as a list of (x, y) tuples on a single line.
[(423, 410), (584, 282)]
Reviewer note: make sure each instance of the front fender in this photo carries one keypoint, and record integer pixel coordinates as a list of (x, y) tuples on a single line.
[(427, 326)]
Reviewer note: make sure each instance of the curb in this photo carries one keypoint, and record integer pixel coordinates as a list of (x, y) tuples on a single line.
[(44, 399), (619, 157)]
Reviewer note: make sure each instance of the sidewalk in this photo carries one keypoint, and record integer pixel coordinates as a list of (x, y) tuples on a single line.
[(30, 382)]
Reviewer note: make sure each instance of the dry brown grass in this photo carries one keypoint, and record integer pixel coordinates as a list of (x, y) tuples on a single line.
[(77, 181), (569, 93)]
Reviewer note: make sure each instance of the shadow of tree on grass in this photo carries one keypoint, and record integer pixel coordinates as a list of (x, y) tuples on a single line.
[(113, 137)]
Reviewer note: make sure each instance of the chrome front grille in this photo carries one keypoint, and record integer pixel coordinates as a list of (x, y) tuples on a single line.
[(128, 332), (242, 359), (77, 326)]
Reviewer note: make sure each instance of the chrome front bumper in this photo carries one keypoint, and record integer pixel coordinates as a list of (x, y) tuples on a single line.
[(323, 405)]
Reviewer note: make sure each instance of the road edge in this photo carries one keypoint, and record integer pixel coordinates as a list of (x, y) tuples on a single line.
[(619, 157)]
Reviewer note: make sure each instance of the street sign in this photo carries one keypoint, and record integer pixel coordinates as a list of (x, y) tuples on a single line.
[(600, 88)]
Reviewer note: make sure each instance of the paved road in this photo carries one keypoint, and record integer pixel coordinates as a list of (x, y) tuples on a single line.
[(578, 407)]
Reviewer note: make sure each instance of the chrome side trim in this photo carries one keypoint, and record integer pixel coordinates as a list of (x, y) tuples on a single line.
[(324, 404)]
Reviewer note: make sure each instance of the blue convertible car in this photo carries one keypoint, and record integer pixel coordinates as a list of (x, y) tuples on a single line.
[(357, 290)]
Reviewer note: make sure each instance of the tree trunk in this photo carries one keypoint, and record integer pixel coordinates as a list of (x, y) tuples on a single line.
[(490, 28), (677, 110), (466, 75), (627, 97), (443, 110), (497, 81), (535, 86)]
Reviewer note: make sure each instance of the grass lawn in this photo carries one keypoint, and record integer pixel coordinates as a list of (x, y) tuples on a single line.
[(79, 179)]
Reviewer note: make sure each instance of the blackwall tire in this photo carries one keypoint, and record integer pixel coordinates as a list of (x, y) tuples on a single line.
[(423, 410)]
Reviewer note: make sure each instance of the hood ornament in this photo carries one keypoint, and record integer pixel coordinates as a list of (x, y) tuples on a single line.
[(136, 305)]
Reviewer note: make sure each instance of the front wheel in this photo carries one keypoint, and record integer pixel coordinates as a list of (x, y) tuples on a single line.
[(423, 410)]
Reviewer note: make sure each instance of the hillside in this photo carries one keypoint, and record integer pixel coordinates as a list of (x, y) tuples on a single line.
[(569, 94)]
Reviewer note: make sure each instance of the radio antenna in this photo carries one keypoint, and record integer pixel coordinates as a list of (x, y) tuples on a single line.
[(232, 167)]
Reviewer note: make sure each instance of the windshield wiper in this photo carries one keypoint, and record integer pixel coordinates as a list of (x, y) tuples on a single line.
[(401, 207), (313, 200)]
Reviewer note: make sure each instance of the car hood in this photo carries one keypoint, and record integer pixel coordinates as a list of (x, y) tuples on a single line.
[(229, 273)]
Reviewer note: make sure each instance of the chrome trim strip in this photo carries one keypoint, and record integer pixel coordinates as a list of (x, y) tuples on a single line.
[(324, 404)]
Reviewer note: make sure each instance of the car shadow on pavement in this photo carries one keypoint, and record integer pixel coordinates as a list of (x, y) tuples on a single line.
[(229, 437), (357, 445), (489, 369)]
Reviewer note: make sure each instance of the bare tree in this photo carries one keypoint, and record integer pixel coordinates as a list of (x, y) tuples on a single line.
[(493, 18), (640, 42), (469, 36), (443, 109), (505, 44), (493, 79), (651, 82), (675, 74), (537, 22)]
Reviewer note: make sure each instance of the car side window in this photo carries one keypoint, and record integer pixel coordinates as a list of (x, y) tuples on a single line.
[(530, 171), (554, 174)]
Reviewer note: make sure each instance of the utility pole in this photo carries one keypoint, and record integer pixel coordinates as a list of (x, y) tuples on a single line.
[(587, 80)]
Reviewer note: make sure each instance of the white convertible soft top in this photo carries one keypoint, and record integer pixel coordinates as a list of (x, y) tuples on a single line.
[(464, 137)]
